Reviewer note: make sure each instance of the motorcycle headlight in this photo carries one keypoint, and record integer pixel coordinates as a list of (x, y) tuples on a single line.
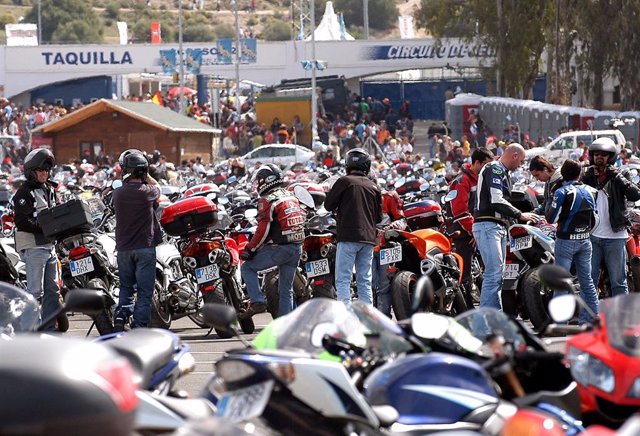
[(589, 370), (634, 392)]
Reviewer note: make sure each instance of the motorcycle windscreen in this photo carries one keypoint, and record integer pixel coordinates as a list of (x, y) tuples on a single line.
[(622, 318), (18, 311)]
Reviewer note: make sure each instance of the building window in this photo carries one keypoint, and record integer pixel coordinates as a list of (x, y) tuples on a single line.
[(89, 150)]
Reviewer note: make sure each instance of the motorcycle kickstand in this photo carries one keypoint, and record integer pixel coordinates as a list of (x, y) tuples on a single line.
[(90, 329), (209, 332)]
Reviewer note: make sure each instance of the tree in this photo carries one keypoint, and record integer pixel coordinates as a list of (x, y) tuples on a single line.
[(276, 30), (517, 30), (626, 60), (198, 33), (67, 15)]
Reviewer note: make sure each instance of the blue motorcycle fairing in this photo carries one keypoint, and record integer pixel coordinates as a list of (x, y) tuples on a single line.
[(434, 388)]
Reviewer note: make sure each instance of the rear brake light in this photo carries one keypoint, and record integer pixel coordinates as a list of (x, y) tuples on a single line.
[(319, 282), (78, 252), (518, 231), (116, 379), (202, 248)]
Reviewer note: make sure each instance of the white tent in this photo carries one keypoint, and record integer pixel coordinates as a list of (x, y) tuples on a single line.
[(331, 28)]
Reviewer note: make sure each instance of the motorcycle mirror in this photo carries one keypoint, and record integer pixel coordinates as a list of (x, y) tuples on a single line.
[(116, 184), (319, 331), (424, 187), (250, 213), (563, 307), (429, 325), (302, 194), (88, 301), (399, 182), (423, 295), (211, 196), (219, 316), (231, 180), (556, 278), (223, 200), (451, 195)]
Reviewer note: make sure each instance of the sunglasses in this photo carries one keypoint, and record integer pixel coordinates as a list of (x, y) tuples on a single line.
[(601, 153), (43, 169)]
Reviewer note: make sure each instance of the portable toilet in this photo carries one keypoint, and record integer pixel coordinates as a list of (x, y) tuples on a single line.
[(561, 118), (525, 117), (575, 115), (602, 120), (631, 127), (535, 131), (587, 118), (546, 122), (459, 111)]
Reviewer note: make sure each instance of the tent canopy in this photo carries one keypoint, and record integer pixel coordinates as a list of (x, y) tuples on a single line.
[(331, 28)]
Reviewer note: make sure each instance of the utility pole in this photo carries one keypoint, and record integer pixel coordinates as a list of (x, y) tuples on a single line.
[(314, 97), (365, 18), (237, 61), (500, 48), (39, 22)]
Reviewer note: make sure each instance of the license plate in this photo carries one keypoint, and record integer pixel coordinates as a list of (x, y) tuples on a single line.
[(390, 255), (245, 403), (317, 268), (207, 273), (82, 266), (511, 271), (518, 244)]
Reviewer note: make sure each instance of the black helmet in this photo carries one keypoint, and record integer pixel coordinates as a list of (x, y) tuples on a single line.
[(135, 165), (40, 158), (606, 145), (358, 160), (126, 153), (267, 178)]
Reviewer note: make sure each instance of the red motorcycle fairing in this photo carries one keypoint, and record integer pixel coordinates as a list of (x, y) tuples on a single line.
[(234, 249)]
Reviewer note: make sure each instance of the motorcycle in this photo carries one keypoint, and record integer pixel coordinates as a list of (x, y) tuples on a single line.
[(603, 355), (210, 258), (409, 255), (633, 251), (96, 383)]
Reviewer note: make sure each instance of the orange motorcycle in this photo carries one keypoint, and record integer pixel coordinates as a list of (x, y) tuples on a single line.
[(409, 255)]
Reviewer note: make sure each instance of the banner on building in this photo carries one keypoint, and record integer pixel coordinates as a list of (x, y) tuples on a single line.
[(21, 34), (193, 60), (406, 27), (156, 33), (123, 32), (168, 61), (248, 51), (225, 51)]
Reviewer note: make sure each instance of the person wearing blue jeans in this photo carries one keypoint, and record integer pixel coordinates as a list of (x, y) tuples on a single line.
[(37, 252), (491, 218), (573, 208), (137, 272), (277, 241), (286, 257), (137, 235), (613, 251), (357, 202)]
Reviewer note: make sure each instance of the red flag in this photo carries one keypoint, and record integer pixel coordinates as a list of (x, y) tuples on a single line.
[(157, 98), (156, 35)]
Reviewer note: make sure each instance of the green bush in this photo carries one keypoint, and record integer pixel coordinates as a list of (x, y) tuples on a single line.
[(224, 31), (6, 19), (276, 30), (112, 11), (198, 33)]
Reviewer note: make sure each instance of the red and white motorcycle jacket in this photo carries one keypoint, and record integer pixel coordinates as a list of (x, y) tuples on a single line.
[(280, 220)]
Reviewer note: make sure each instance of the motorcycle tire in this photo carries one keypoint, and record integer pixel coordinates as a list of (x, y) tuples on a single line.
[(104, 320), (218, 296), (402, 288), (459, 303), (272, 294), (236, 295), (535, 300), (160, 314), (62, 323)]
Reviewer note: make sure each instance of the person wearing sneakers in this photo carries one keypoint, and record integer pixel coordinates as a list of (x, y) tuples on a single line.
[(277, 241)]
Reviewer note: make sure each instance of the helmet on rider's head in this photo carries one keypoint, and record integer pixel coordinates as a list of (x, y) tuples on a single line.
[(126, 153), (358, 159), (135, 165), (38, 159), (605, 145), (267, 178)]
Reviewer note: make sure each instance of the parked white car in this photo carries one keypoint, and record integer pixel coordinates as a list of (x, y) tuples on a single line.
[(280, 154), (567, 143)]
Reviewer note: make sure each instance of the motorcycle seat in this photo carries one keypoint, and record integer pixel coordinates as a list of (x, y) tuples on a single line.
[(147, 350)]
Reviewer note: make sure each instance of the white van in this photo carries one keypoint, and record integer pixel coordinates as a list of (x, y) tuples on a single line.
[(567, 143)]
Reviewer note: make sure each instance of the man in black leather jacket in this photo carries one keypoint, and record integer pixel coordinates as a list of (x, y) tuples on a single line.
[(609, 236)]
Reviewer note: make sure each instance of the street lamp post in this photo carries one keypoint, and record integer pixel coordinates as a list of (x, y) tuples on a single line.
[(181, 59), (314, 97), (39, 22), (237, 61)]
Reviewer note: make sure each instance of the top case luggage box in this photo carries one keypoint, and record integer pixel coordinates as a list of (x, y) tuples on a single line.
[(189, 215), (70, 218), (426, 214)]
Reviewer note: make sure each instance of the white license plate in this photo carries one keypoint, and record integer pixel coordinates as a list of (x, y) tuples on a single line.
[(317, 268), (390, 255), (82, 266), (207, 273), (511, 271), (245, 403), (522, 243)]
